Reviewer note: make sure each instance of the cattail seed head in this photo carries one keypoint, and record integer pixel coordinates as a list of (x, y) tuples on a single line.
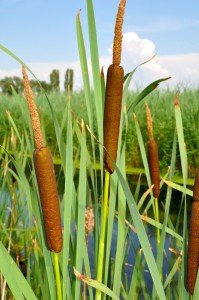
[(154, 166), (149, 122), (117, 43), (35, 122), (193, 248), (112, 113), (49, 198)]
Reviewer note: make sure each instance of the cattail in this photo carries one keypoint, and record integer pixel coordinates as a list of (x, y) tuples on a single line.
[(154, 166), (45, 174), (193, 248), (153, 156), (113, 96), (196, 187)]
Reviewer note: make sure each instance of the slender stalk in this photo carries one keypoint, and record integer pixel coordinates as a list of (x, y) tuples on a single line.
[(157, 220), (57, 276), (102, 233)]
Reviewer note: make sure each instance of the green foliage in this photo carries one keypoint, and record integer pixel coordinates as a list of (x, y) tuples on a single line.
[(54, 80), (7, 83), (69, 79), (37, 87)]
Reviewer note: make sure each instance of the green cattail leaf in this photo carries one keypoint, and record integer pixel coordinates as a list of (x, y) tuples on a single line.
[(68, 199), (181, 142), (84, 68), (142, 236), (151, 87), (98, 96), (179, 187), (81, 206), (172, 273), (17, 282), (95, 70), (121, 234), (161, 248), (130, 74), (95, 284)]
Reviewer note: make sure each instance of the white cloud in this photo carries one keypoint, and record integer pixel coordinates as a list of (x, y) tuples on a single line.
[(183, 68)]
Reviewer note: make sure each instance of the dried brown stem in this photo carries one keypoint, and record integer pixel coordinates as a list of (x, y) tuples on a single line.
[(117, 43), (34, 116)]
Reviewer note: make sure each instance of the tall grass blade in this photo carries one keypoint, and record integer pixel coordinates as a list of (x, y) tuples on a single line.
[(14, 277), (142, 236), (81, 206), (68, 199)]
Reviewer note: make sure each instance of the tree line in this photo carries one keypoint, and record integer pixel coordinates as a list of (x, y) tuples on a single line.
[(7, 84)]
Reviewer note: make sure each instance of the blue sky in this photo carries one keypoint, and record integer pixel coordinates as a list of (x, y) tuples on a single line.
[(42, 31)]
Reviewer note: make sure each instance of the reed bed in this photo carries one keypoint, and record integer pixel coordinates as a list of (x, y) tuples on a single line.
[(97, 212)]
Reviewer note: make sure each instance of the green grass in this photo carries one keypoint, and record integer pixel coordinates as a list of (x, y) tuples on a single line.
[(161, 105)]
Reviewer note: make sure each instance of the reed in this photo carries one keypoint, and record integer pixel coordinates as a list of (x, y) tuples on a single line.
[(153, 161), (113, 96), (111, 125), (46, 181), (153, 158)]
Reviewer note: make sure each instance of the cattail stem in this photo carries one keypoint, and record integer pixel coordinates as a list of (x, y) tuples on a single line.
[(46, 180), (57, 276), (101, 251), (157, 220)]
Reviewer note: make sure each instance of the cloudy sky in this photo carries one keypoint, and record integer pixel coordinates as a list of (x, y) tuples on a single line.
[(42, 33)]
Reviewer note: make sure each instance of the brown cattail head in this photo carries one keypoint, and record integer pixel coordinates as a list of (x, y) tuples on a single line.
[(39, 142), (112, 112), (154, 167), (117, 43), (49, 198), (193, 248), (196, 187), (149, 123)]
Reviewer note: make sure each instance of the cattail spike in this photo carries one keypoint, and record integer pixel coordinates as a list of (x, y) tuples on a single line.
[(149, 122), (193, 248), (46, 180), (196, 187), (154, 167), (112, 113), (39, 142), (45, 174), (117, 43)]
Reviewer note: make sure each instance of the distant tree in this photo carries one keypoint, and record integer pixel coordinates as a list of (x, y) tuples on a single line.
[(37, 88), (54, 80), (68, 82), (7, 83)]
